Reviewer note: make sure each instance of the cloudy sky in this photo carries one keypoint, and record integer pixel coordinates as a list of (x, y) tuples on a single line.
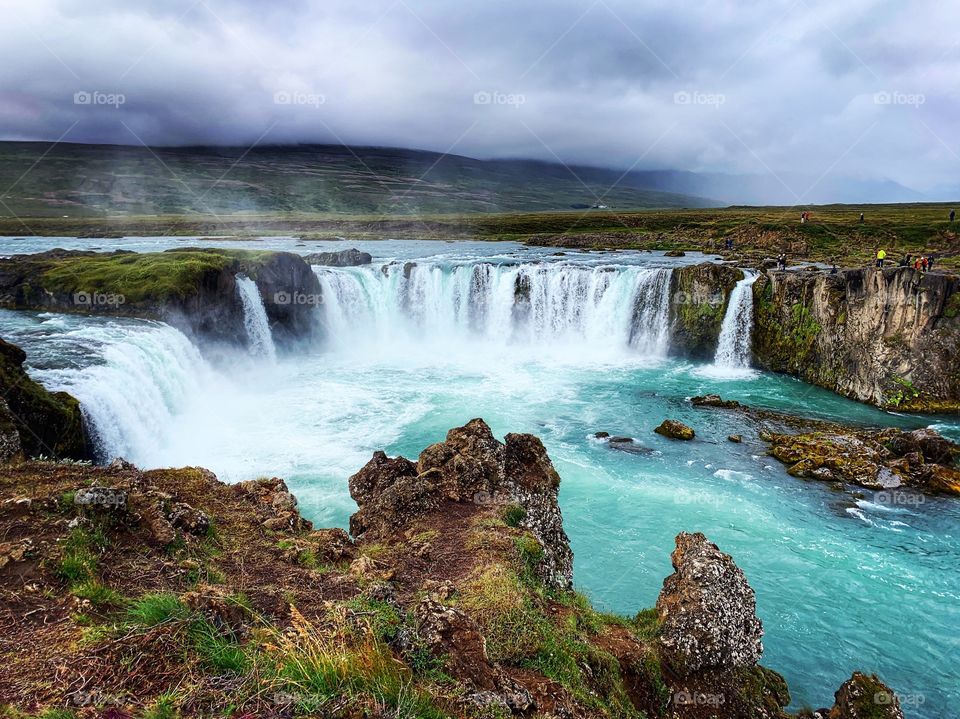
[(860, 88)]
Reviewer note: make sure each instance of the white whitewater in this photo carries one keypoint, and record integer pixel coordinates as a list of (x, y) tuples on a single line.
[(144, 378), (733, 346), (520, 304), (259, 337)]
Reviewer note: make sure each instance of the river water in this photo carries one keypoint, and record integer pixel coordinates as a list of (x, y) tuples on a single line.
[(843, 581)]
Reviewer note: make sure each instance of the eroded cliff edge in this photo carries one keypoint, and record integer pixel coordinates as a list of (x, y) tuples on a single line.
[(888, 337), (170, 592)]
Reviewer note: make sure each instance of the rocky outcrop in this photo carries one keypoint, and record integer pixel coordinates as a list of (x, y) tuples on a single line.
[(194, 289), (707, 611), (675, 429), (864, 697), (344, 258), (885, 459), (469, 466), (699, 295), (888, 337), (34, 421)]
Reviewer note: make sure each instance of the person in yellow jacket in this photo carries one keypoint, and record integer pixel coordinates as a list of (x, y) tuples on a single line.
[(881, 256)]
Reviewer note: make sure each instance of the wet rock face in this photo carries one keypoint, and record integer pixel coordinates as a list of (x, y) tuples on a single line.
[(469, 466), (344, 258), (699, 295), (707, 611), (34, 421), (876, 459), (888, 337), (675, 430), (865, 697), (290, 292)]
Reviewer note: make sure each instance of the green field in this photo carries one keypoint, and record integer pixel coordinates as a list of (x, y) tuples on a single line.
[(833, 232)]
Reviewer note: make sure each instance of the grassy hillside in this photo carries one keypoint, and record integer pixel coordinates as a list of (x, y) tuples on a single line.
[(47, 180)]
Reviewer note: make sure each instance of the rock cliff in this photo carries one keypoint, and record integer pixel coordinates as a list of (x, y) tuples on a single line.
[(699, 295), (888, 337), (195, 289), (33, 421)]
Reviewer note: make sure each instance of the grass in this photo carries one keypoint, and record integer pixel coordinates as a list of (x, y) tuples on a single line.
[(153, 609)]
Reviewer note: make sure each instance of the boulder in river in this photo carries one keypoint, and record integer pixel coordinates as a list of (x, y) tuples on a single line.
[(714, 400), (675, 430)]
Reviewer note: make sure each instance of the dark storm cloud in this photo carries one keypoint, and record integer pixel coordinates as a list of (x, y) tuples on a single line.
[(864, 88)]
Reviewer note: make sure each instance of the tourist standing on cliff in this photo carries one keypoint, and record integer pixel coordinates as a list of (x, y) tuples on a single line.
[(953, 213), (881, 256), (906, 261), (930, 260), (782, 262)]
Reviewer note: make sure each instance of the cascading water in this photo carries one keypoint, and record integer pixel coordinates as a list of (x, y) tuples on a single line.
[(532, 304), (144, 376), (733, 345), (259, 338)]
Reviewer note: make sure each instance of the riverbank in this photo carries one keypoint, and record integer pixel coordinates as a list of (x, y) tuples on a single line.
[(833, 233)]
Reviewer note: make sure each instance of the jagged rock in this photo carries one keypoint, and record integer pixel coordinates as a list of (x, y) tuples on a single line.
[(875, 459), (674, 253), (707, 611), (738, 438), (714, 400), (601, 435), (119, 463), (344, 258), (452, 635), (675, 430), (332, 545), (190, 520), (275, 505), (469, 466), (865, 697), (11, 552)]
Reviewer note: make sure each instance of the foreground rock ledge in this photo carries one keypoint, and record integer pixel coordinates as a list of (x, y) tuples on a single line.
[(451, 599)]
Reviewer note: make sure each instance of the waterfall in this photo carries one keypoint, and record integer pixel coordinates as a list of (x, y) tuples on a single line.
[(616, 307), (143, 376), (733, 345), (259, 338)]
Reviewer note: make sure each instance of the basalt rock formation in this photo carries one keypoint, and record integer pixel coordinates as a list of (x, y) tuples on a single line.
[(888, 337), (194, 289), (33, 421), (699, 295), (470, 466), (168, 592)]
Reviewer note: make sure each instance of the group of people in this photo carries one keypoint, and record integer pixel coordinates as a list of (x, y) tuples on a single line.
[(924, 263)]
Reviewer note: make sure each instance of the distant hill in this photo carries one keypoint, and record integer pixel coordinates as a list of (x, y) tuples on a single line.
[(96, 180)]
